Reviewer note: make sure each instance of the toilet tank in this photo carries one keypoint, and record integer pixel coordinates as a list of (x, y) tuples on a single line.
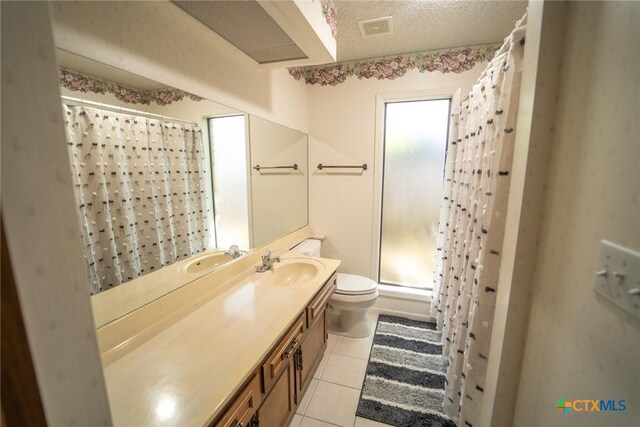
[(309, 247)]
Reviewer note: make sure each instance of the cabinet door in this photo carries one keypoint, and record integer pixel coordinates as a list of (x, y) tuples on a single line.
[(278, 407), (243, 407), (310, 353)]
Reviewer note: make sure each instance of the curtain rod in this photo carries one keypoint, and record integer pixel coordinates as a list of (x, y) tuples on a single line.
[(125, 109), (505, 45)]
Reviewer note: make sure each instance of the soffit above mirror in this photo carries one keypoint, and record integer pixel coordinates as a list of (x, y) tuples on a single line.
[(84, 65)]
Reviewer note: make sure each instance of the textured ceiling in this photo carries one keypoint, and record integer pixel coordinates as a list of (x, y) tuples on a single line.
[(424, 25)]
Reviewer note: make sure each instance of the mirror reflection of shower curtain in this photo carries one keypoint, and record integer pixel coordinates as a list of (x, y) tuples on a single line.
[(140, 188)]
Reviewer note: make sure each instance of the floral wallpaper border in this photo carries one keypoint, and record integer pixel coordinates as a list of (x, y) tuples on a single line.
[(76, 81), (450, 61), (330, 15)]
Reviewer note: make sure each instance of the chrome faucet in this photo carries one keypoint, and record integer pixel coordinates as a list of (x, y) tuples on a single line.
[(234, 252), (267, 262)]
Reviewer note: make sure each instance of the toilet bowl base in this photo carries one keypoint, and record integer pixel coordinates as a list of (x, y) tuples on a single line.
[(349, 323)]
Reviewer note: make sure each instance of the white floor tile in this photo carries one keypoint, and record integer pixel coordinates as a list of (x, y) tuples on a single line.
[(331, 341), (295, 422), (321, 365), (364, 422), (354, 347), (310, 422), (344, 370), (334, 404), (307, 397)]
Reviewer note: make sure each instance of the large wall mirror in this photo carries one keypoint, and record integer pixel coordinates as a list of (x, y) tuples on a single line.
[(167, 184)]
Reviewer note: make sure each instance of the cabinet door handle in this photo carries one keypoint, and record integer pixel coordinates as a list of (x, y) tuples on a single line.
[(297, 358), (294, 345)]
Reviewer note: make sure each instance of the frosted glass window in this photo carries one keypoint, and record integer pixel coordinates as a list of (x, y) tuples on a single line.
[(415, 143), (230, 180)]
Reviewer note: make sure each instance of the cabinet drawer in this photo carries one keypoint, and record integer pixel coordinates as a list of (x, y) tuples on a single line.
[(244, 406), (319, 302), (278, 359)]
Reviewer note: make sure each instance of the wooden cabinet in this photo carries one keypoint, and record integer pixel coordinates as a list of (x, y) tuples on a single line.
[(270, 398), (319, 302), (279, 406), (315, 340), (244, 406), (310, 354), (282, 354)]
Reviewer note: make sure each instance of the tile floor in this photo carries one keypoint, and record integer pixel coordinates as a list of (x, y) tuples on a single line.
[(332, 397)]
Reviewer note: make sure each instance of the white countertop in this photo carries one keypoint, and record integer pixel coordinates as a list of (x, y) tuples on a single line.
[(187, 371)]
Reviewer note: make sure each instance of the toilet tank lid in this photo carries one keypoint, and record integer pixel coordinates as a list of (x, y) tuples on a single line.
[(351, 283), (308, 247)]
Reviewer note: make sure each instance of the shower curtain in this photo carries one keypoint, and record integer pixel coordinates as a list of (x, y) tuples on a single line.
[(139, 185), (471, 229)]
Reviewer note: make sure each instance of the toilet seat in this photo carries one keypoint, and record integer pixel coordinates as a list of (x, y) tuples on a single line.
[(351, 284), (354, 300)]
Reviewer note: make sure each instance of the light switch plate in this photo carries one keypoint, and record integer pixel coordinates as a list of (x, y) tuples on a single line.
[(618, 277)]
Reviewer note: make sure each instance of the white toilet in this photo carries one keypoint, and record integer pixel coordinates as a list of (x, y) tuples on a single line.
[(349, 304)]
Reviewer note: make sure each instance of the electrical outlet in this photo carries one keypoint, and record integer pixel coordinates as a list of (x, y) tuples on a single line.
[(618, 277)]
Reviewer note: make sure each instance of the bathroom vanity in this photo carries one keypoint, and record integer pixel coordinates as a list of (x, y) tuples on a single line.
[(239, 352), (275, 389)]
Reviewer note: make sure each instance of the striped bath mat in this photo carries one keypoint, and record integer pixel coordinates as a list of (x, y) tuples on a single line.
[(404, 383)]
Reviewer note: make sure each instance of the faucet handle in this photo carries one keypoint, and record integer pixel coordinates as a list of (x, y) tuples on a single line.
[(268, 255), (234, 252)]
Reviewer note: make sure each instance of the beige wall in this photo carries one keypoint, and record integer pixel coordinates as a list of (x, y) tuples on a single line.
[(578, 346), (153, 40), (41, 226), (342, 123)]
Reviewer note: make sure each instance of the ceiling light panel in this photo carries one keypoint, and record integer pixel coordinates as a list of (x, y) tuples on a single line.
[(247, 26)]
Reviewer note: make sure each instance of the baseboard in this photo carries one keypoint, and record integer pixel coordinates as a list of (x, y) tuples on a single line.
[(401, 292), (404, 304)]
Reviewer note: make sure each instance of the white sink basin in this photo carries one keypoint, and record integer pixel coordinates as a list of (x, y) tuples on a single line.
[(207, 262), (289, 272)]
